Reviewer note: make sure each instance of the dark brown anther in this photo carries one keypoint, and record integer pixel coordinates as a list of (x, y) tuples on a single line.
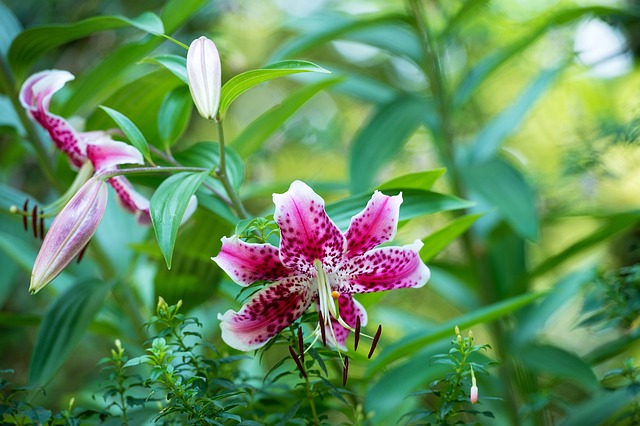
[(357, 339), (81, 254), (297, 361), (345, 372), (41, 224), (34, 220), (301, 344), (375, 341), (24, 216), (323, 332)]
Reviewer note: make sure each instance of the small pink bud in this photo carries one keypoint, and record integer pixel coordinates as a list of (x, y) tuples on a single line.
[(204, 74), (70, 232), (473, 394)]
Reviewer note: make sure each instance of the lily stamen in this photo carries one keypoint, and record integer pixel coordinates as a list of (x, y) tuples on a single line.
[(375, 341)]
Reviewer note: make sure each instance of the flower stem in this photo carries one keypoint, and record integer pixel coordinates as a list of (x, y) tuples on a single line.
[(147, 170), (312, 403), (221, 173)]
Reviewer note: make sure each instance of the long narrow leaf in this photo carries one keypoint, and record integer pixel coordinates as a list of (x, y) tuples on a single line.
[(130, 130)]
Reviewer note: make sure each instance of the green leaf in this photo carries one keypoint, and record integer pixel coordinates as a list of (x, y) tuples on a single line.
[(10, 27), (177, 65), (415, 203), (245, 81), (259, 130), (382, 137), (437, 241), (207, 155), (167, 207), (489, 140), (174, 115), (62, 327), (600, 407), (34, 42), (134, 134), (412, 343), (500, 185), (419, 180), (558, 363)]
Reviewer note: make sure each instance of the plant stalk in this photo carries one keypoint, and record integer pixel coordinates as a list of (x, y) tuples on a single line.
[(221, 173)]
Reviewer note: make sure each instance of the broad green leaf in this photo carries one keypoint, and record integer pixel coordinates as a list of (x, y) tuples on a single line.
[(216, 206), (557, 363), (149, 92), (601, 408), (174, 115), (177, 65), (416, 341), (500, 185), (612, 225), (130, 130), (167, 207), (364, 87), (109, 75), (245, 81), (10, 27), (488, 141), (382, 137), (437, 241), (18, 250), (259, 130), (34, 42), (463, 11), (613, 348), (62, 327), (194, 277), (207, 155), (419, 180), (507, 261), (456, 284), (415, 203)]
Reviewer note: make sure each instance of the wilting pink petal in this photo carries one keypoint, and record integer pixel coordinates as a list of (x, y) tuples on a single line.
[(349, 309), (306, 231), (388, 268), (266, 314), (375, 225), (130, 199), (247, 263), (35, 97), (70, 232), (204, 74), (106, 154)]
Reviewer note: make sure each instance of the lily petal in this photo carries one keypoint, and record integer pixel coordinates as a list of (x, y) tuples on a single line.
[(204, 76), (307, 233), (374, 225), (106, 154), (35, 96), (388, 268), (350, 309), (70, 232), (130, 199), (247, 263), (267, 313)]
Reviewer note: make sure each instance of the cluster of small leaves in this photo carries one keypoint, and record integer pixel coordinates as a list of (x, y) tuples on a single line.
[(626, 377), (190, 386), (118, 384), (15, 410), (614, 300), (447, 401), (303, 390), (258, 230)]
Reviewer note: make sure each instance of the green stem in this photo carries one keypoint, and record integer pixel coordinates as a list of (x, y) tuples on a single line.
[(7, 81), (312, 403), (147, 170), (221, 173)]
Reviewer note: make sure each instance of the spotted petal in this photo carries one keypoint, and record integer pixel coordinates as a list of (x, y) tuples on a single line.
[(267, 313), (106, 154), (388, 268), (131, 199), (374, 225), (35, 97), (350, 309), (307, 233), (247, 263)]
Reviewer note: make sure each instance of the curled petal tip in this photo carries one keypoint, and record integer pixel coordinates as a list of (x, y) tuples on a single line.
[(204, 76), (70, 232)]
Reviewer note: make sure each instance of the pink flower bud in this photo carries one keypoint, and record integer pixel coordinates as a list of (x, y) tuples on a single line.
[(473, 394), (70, 232), (203, 74)]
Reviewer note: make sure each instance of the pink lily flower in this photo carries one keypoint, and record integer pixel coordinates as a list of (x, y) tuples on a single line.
[(318, 263), (70, 232), (97, 147)]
